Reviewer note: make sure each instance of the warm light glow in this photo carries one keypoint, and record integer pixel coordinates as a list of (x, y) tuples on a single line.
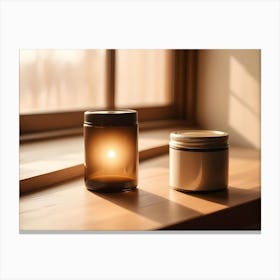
[(244, 99), (111, 154)]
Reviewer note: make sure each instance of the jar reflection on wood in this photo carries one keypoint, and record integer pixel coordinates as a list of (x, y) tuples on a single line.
[(198, 160), (111, 150)]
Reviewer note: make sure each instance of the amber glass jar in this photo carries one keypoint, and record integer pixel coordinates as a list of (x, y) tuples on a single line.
[(111, 150)]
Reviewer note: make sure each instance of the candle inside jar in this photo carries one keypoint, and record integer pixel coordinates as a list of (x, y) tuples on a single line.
[(111, 154), (114, 179)]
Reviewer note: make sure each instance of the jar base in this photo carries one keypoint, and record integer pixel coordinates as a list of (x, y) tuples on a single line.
[(200, 191), (109, 186)]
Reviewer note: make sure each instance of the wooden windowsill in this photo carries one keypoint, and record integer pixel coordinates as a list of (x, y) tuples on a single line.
[(69, 206), (54, 160)]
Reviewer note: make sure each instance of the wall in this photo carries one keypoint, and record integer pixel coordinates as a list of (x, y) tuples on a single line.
[(228, 94)]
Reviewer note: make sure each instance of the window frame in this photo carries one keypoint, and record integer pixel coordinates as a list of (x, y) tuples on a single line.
[(183, 108)]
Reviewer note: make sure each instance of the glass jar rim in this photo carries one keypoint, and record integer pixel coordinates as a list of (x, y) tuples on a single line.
[(117, 117)]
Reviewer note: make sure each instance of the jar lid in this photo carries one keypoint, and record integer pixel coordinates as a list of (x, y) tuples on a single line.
[(119, 117), (199, 139)]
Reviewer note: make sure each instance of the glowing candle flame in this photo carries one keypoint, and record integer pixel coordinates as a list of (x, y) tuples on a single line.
[(111, 154)]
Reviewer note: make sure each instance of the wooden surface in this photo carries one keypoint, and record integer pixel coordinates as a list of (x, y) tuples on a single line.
[(70, 206), (53, 161)]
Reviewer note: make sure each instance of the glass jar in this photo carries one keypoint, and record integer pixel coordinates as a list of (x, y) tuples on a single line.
[(111, 150), (198, 160)]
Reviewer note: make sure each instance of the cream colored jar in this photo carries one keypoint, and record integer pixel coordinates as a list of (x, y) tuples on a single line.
[(198, 160)]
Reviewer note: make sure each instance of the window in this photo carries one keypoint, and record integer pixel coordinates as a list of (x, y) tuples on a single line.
[(57, 86), (55, 80), (144, 78)]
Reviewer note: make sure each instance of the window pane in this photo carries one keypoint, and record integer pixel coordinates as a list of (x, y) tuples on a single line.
[(144, 78), (52, 80)]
